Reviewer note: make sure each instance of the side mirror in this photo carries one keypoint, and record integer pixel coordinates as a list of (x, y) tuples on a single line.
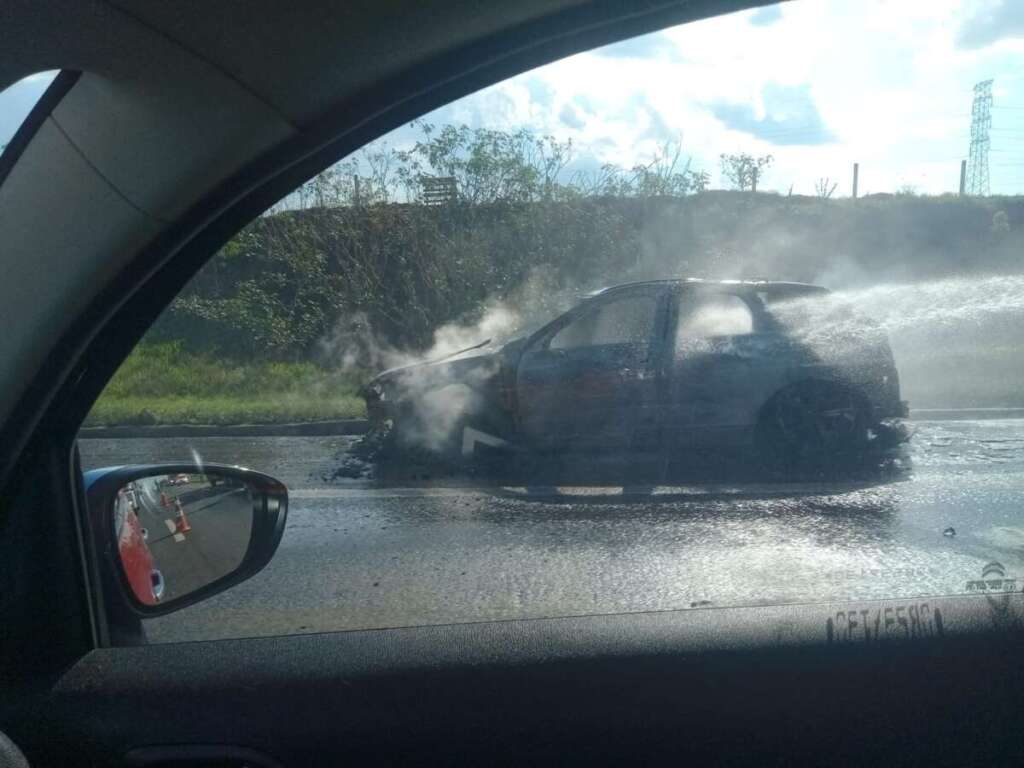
[(171, 535)]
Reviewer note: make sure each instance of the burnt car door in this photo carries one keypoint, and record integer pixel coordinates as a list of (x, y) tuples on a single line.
[(714, 386), (585, 381)]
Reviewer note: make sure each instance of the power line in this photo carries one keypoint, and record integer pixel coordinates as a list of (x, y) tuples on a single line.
[(981, 122)]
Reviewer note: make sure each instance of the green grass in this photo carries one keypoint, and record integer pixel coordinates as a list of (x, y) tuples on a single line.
[(164, 384)]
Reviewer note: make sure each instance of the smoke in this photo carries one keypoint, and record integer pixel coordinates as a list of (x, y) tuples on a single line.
[(957, 342), (440, 397), (964, 302), (940, 276), (957, 337), (496, 323), (355, 346)]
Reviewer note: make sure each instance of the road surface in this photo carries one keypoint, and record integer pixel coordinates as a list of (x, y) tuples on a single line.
[(358, 556)]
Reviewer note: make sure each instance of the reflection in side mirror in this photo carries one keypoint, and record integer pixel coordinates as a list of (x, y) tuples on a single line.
[(179, 534), (202, 524)]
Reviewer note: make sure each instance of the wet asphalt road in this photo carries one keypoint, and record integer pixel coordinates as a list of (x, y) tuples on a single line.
[(356, 556)]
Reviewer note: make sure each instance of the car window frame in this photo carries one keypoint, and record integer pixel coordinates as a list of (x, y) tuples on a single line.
[(541, 340), (54, 93), (594, 311), (686, 292), (983, 627), (48, 415)]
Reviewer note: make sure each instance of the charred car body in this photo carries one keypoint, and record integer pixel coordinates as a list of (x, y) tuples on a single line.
[(783, 369)]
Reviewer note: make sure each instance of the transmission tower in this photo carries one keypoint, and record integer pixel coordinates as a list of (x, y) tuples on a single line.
[(981, 122)]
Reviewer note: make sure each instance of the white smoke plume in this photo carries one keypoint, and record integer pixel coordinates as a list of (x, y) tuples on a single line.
[(438, 409)]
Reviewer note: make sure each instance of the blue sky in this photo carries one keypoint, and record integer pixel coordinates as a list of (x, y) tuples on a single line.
[(818, 84)]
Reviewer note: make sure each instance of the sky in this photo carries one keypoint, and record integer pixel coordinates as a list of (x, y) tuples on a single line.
[(817, 84), (17, 101)]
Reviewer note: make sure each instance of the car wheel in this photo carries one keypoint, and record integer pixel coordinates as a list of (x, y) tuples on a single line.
[(813, 427)]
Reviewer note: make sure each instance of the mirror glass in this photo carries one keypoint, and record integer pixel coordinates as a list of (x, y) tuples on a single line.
[(178, 533)]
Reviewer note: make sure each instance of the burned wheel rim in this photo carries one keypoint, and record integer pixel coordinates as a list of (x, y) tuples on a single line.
[(815, 423)]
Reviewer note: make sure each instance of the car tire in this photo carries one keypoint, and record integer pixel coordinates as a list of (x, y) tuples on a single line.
[(813, 429)]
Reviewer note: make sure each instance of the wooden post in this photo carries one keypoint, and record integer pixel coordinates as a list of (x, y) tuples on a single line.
[(856, 173), (355, 189), (963, 177)]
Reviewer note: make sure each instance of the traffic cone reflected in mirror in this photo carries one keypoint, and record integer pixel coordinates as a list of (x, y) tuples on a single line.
[(164, 501), (181, 522)]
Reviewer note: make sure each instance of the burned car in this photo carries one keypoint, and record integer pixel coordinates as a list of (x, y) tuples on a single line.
[(785, 371)]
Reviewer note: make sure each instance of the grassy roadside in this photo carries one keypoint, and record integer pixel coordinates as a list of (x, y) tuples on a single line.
[(164, 384), (110, 411)]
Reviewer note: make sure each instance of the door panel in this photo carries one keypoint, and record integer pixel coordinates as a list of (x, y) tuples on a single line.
[(584, 385), (715, 379), (542, 384), (745, 686)]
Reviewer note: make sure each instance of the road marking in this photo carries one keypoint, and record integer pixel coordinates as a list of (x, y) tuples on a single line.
[(178, 537)]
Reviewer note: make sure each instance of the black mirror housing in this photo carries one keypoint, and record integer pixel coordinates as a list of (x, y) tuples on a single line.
[(105, 489)]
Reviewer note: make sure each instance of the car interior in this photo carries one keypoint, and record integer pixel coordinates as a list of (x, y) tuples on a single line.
[(170, 127)]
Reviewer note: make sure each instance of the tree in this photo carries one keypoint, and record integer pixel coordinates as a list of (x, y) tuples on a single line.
[(824, 189), (487, 165), (664, 176), (744, 171)]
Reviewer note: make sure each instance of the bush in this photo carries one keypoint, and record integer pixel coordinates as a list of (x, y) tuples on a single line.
[(165, 384)]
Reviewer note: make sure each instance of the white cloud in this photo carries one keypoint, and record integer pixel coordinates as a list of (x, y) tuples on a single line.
[(889, 84), (991, 21)]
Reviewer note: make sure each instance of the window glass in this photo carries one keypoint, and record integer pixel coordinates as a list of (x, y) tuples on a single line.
[(713, 315), (707, 319), (625, 321), (850, 166)]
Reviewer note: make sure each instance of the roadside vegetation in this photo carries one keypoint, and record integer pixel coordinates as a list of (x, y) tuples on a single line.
[(164, 383), (382, 249)]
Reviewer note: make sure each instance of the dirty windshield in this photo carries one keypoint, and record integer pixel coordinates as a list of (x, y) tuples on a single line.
[(729, 314)]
